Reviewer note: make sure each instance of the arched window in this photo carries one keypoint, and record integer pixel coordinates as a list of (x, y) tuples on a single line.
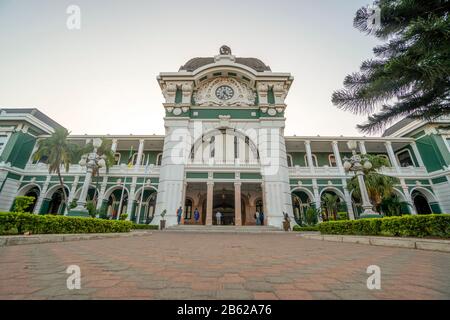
[(421, 203), (290, 163), (159, 159), (314, 158), (332, 160), (117, 157), (404, 158), (212, 151)]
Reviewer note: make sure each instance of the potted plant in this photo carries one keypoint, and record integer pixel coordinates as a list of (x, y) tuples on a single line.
[(162, 222)]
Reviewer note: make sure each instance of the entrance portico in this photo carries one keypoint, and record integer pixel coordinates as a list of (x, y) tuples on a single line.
[(237, 201)]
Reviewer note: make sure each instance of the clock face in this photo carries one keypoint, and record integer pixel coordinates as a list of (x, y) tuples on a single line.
[(224, 93)]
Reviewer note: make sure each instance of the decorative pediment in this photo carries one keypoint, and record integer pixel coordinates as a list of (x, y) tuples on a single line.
[(224, 92)]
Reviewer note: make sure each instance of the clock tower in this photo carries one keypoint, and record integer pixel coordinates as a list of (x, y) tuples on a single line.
[(224, 140)]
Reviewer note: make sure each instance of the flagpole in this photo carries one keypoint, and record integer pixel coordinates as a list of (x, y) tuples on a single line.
[(130, 165), (142, 192), (121, 199)]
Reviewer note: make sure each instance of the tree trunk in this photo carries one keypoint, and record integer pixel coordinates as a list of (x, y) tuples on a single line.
[(58, 171)]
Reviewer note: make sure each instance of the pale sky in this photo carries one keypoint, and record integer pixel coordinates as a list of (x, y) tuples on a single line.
[(102, 78)]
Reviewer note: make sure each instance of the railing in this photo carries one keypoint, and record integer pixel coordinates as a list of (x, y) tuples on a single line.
[(334, 171), (75, 169)]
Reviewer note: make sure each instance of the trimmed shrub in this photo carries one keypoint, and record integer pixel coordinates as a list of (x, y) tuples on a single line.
[(342, 215), (433, 225), (19, 223), (144, 226), (22, 203), (311, 228)]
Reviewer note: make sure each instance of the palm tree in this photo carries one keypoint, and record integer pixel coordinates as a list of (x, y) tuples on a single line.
[(330, 202), (58, 152), (378, 186), (392, 205), (104, 151)]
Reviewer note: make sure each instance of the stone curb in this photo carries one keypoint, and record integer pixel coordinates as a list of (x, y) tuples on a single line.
[(52, 238), (410, 243)]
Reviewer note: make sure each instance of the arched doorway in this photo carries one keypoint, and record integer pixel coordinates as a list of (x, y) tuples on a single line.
[(332, 202), (301, 201), (33, 192), (114, 201), (56, 205), (223, 202), (421, 203), (147, 208)]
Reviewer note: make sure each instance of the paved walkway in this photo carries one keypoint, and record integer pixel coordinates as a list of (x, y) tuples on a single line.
[(220, 266)]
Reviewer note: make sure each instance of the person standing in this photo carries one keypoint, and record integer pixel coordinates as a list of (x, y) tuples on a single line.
[(219, 218), (261, 217), (196, 215), (258, 222), (179, 213)]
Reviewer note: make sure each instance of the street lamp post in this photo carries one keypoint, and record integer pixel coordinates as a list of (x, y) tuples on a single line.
[(357, 163), (91, 161)]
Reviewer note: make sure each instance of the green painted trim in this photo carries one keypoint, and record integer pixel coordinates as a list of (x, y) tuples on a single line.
[(197, 175), (325, 181), (13, 176), (439, 180), (233, 113), (251, 175), (223, 175)]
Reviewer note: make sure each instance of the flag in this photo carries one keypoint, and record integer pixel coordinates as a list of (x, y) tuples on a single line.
[(130, 158)]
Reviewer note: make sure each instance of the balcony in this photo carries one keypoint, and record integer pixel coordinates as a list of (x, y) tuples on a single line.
[(298, 171), (75, 169)]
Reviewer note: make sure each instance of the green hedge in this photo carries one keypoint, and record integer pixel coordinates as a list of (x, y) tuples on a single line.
[(433, 225), (18, 223), (144, 226), (310, 228)]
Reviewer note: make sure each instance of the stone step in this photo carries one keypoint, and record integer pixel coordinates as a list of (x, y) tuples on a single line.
[(223, 229)]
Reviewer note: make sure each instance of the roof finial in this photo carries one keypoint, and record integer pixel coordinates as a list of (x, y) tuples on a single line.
[(225, 50)]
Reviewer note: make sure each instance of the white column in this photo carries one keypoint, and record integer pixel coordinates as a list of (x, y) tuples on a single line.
[(337, 157), (209, 202), (42, 195), (101, 194), (407, 196), (131, 197), (417, 154), (114, 145), (183, 198), (309, 156), (237, 204), (362, 147), (140, 152), (36, 146), (392, 156)]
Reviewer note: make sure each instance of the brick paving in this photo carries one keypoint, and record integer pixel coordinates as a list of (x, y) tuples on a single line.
[(220, 266)]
